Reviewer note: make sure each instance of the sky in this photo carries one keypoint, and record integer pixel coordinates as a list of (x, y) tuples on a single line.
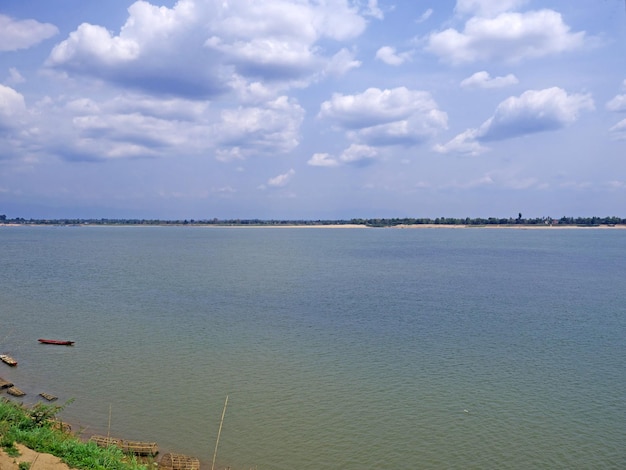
[(312, 109)]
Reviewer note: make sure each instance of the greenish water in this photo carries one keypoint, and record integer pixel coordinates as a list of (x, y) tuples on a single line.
[(342, 349)]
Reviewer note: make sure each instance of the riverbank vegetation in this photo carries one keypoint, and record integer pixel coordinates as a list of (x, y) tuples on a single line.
[(37, 428), (367, 222)]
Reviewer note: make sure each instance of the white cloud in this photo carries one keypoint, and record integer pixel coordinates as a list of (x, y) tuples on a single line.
[(131, 126), (322, 159), (617, 104), (127, 126), (271, 59), (487, 7), (424, 16), (509, 37), (618, 131), (372, 107), (373, 10), (83, 106), (281, 181), (273, 128), (150, 54), (229, 154), (87, 130), (386, 117), (358, 154), (176, 109), (253, 92), (22, 34), (275, 39), (199, 48), (389, 56), (12, 107), (377, 107), (224, 190), (342, 62), (466, 143), (15, 77), (411, 131), (92, 45), (484, 80), (533, 111)]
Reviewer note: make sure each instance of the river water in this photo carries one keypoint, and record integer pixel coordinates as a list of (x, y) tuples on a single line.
[(338, 348)]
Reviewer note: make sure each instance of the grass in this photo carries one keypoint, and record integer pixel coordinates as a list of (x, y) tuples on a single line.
[(34, 428)]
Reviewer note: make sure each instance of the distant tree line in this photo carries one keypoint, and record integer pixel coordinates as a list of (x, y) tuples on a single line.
[(377, 222), (478, 221)]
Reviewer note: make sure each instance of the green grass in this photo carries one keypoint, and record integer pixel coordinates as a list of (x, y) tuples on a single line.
[(34, 428)]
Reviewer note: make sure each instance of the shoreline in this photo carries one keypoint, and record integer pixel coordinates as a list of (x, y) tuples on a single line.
[(344, 226), (51, 462)]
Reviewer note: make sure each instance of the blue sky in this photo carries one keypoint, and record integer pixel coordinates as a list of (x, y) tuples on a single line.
[(312, 108)]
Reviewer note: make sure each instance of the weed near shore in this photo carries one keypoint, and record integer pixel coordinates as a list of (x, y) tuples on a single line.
[(35, 428)]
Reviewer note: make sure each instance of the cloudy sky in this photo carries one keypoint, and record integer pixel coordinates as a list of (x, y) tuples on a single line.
[(312, 108)]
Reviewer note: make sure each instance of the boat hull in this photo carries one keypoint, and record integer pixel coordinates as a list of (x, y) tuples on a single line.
[(56, 341)]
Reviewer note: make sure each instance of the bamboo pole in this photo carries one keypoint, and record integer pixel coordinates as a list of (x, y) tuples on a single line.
[(217, 441), (109, 427)]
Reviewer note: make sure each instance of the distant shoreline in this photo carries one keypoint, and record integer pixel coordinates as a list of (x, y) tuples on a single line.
[(343, 226)]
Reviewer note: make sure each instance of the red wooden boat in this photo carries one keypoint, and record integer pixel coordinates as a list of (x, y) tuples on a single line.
[(56, 341)]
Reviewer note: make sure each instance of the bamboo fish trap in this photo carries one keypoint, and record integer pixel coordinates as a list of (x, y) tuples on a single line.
[(16, 392), (128, 447), (47, 396), (178, 462), (5, 383)]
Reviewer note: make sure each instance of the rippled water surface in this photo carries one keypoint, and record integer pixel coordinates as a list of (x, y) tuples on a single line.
[(338, 349)]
